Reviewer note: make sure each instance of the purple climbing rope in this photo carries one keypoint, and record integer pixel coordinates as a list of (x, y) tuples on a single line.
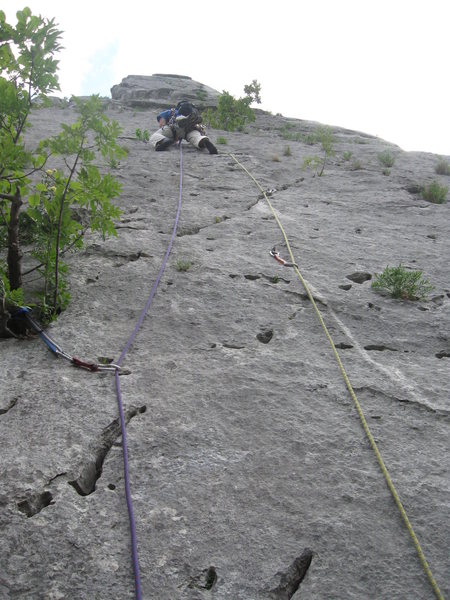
[(134, 549)]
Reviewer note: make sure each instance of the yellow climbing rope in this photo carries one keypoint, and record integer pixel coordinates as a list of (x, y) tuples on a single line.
[(389, 482)]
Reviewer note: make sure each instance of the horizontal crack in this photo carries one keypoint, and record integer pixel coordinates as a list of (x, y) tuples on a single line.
[(343, 346), (376, 392), (232, 346), (378, 348)]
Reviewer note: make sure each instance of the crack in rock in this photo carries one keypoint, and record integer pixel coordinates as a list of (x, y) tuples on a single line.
[(290, 580), (114, 254), (205, 580), (265, 336), (86, 482), (195, 229), (35, 503), (276, 279), (418, 405), (10, 405), (359, 276), (254, 203), (379, 348), (56, 477), (371, 305), (251, 277), (304, 296), (232, 346)]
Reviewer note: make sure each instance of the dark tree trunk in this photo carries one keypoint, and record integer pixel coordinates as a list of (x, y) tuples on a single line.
[(14, 254)]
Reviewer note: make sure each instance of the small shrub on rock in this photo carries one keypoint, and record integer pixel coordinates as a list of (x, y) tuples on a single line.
[(442, 167), (323, 135), (402, 283), (435, 193), (386, 158), (183, 265)]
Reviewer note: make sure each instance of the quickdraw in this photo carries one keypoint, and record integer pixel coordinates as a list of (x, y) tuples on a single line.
[(278, 258), (24, 312)]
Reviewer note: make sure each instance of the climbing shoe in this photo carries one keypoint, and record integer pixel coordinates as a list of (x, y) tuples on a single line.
[(205, 143), (163, 144)]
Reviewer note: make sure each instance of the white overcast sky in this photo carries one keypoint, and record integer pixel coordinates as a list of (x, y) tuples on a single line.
[(377, 66)]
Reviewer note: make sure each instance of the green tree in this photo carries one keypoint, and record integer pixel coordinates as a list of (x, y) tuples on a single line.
[(27, 76), (80, 188), (27, 72), (233, 114), (323, 135), (253, 91)]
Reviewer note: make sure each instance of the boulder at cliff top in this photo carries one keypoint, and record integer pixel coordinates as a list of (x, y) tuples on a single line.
[(248, 462), (161, 91)]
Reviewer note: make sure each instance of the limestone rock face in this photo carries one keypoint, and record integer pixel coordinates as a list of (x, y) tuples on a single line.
[(251, 475), (161, 91)]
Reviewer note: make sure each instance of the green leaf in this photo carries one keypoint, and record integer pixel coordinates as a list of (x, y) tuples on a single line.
[(34, 200)]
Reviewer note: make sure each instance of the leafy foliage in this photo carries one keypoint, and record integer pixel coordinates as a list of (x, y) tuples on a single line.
[(402, 283), (143, 136), (253, 91), (232, 114), (81, 184), (52, 226), (10, 298)]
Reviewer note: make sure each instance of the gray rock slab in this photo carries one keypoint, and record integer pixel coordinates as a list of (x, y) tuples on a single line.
[(247, 456), (162, 91)]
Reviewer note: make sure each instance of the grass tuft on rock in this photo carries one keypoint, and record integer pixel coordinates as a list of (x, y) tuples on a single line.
[(435, 193), (399, 282)]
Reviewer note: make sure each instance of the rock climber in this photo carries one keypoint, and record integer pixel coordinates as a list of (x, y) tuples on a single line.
[(181, 122)]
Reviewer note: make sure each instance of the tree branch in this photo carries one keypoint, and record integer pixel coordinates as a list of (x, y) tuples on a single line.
[(10, 197)]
